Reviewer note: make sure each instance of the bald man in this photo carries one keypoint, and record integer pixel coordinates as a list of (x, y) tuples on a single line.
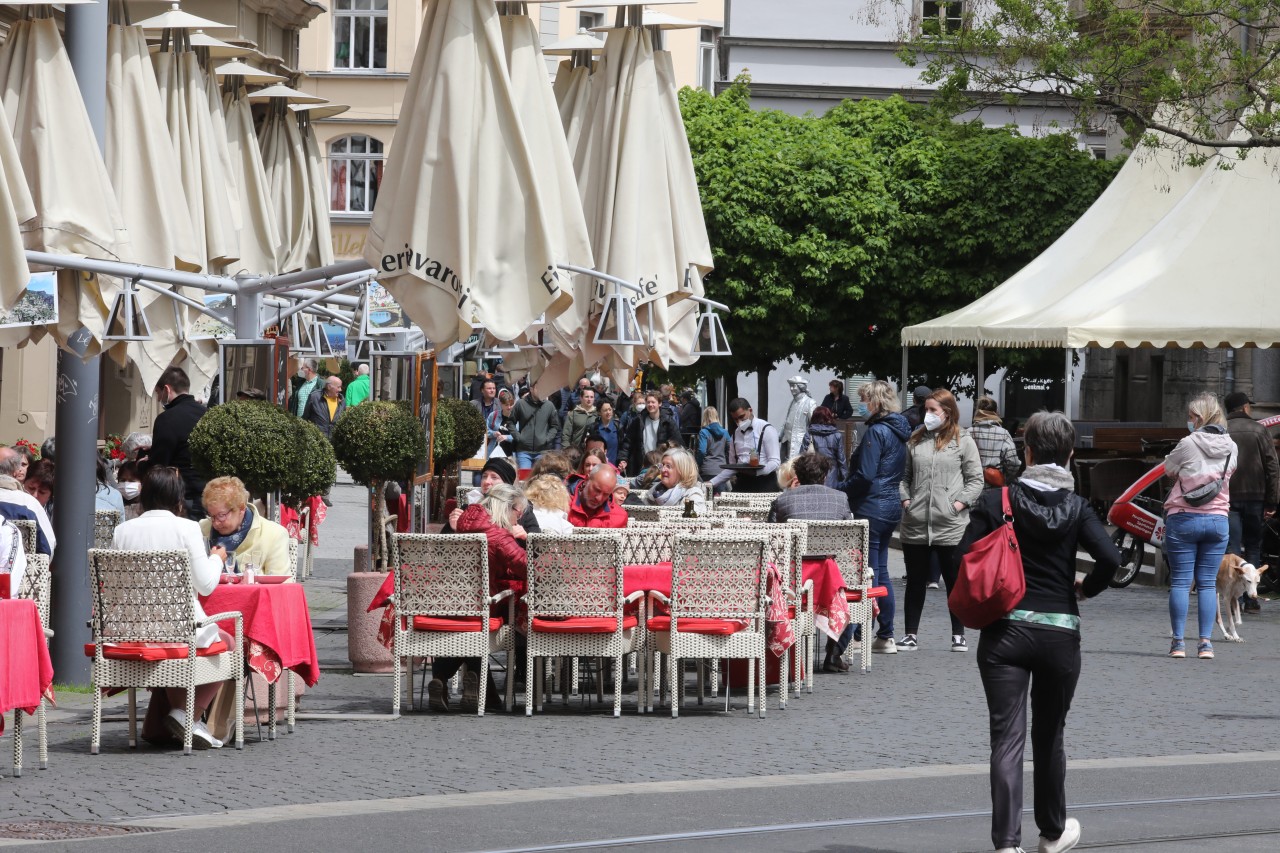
[(17, 504), (594, 505)]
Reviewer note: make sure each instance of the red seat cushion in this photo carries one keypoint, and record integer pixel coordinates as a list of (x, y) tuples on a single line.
[(698, 626), (874, 592), (153, 651), (456, 624), (791, 611), (582, 625)]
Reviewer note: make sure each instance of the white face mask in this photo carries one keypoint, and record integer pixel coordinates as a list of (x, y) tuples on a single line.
[(130, 490), (933, 421), (1191, 426)]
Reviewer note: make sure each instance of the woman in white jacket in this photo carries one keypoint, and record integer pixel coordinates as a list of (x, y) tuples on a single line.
[(160, 528), (1196, 519)]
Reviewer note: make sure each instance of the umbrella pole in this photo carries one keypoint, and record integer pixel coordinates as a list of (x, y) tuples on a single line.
[(76, 420), (902, 384)]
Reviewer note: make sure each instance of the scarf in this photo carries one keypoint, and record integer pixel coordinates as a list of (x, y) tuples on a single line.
[(235, 538), (1047, 478)]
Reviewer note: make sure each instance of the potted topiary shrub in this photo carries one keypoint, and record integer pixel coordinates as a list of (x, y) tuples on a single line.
[(458, 432), (376, 443), (249, 439), (316, 469)]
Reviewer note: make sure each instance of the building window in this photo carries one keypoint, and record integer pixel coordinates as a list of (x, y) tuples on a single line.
[(355, 171), (587, 20), (359, 34), (708, 62), (941, 17)]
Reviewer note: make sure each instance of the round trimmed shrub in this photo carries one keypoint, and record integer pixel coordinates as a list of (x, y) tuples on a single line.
[(249, 439), (316, 469), (459, 432), (376, 442)]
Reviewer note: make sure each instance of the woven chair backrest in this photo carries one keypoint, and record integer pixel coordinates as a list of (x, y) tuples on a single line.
[(37, 583), (142, 596), (846, 542), (28, 528), (575, 575), (719, 575), (672, 512), (293, 557), (735, 500), (442, 574), (104, 527), (644, 513)]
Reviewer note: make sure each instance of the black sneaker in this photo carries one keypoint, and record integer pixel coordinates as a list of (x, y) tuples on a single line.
[(908, 643), (438, 696), (958, 644)]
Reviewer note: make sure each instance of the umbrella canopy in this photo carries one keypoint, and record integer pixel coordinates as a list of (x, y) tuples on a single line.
[(459, 231), (16, 207), (260, 251), (144, 171), (246, 72), (572, 90), (320, 251), (536, 107), (288, 185), (77, 212)]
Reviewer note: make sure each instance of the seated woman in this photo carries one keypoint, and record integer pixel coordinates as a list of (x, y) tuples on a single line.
[(39, 483), (497, 516), (106, 497), (235, 526), (552, 462), (648, 475), (162, 528), (593, 457), (677, 482), (550, 501)]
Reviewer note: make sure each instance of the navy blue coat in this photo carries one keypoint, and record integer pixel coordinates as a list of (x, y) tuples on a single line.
[(877, 468)]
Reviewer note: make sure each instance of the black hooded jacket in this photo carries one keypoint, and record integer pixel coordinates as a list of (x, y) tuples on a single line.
[(1050, 525)]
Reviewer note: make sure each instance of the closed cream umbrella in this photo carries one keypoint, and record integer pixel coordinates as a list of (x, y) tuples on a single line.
[(572, 87), (261, 252), (320, 252), (143, 166), (16, 208), (288, 181), (536, 107), (459, 231), (77, 212)]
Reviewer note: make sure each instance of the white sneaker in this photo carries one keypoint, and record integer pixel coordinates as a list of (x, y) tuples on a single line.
[(1011, 850), (201, 737), (884, 646), (201, 732), (1070, 838), (933, 585)]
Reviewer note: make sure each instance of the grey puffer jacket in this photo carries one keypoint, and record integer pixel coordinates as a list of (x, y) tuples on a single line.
[(933, 481)]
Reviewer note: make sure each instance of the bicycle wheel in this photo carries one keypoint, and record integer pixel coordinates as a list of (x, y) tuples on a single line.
[(1131, 551)]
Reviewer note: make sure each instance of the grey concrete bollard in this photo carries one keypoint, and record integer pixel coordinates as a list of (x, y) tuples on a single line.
[(363, 649)]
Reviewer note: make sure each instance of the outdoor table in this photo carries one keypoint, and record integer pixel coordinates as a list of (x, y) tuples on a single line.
[(26, 673), (830, 608), (277, 627)]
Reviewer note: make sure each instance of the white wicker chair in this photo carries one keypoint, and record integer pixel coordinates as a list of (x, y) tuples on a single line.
[(847, 542), (745, 500), (36, 585), (576, 606), (643, 512), (104, 527), (667, 513), (148, 597), (442, 605), (28, 528), (717, 576)]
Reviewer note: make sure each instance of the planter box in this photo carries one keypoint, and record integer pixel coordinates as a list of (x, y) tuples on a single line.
[(363, 649)]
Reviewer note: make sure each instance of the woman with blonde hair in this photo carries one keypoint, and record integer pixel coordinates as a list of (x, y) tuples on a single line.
[(232, 522), (677, 482), (713, 445), (550, 501), (1196, 510), (941, 480)]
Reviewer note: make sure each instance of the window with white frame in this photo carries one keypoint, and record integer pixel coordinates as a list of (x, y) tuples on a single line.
[(587, 20), (359, 35), (708, 57), (941, 17), (355, 171)]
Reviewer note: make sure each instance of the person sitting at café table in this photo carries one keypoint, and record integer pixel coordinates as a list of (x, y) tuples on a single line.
[(590, 459), (552, 462), (677, 482), (495, 471), (235, 525), (804, 496), (161, 527), (497, 516), (593, 505), (550, 501)]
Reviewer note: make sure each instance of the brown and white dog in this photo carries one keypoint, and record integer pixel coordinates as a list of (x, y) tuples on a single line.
[(1236, 577)]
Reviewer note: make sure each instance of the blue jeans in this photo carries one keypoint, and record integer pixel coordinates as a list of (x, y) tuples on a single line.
[(525, 459), (878, 559), (1194, 543)]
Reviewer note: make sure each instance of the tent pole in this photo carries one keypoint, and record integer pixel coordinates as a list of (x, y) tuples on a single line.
[(902, 385), (76, 417), (982, 372), (1066, 387)]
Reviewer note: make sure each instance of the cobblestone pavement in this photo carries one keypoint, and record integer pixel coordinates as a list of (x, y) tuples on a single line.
[(912, 710)]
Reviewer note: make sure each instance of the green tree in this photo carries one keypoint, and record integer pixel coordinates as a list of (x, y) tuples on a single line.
[(832, 232), (1188, 68)]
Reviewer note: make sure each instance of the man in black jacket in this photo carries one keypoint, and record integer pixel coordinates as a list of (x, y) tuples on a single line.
[(1255, 485), (650, 430), (172, 429)]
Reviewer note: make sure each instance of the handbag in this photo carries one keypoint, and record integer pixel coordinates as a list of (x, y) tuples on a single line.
[(1201, 495), (990, 581)]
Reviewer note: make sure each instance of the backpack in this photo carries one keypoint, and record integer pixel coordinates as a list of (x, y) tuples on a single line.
[(990, 581)]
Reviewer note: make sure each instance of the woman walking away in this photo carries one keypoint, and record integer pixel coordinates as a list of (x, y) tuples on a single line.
[(1196, 510), (872, 488), (942, 479), (1036, 648), (999, 457), (713, 446), (825, 438)]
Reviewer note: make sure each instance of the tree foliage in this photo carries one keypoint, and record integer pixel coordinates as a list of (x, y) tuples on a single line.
[(1188, 68), (458, 431), (831, 233), (376, 442), (249, 439), (316, 469)]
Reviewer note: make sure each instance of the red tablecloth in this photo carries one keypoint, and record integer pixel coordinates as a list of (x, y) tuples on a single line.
[(277, 627), (647, 577), (26, 672), (829, 605)]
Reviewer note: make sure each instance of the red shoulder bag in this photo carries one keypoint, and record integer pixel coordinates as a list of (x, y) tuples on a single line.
[(990, 581)]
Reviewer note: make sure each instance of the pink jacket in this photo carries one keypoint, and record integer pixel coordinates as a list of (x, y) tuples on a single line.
[(1198, 459)]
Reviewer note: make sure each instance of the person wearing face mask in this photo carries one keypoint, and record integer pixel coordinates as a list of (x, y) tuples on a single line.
[(106, 497), (940, 482), (172, 431)]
